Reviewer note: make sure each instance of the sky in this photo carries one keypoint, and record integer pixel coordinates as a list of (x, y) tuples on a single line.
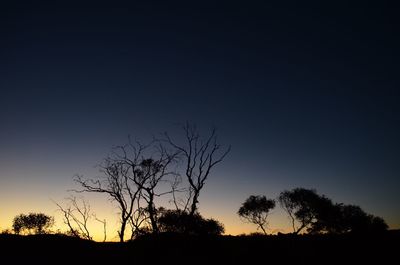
[(307, 95)]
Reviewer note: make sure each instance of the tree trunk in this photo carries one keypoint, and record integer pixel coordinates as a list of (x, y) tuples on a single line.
[(195, 200), (262, 228), (122, 232), (299, 229), (152, 214)]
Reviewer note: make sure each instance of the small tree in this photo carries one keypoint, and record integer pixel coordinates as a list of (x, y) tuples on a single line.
[(256, 209), (37, 223), (76, 216)]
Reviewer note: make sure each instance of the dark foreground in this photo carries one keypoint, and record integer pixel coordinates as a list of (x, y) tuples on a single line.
[(178, 249)]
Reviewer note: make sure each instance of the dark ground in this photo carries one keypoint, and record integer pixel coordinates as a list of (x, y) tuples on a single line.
[(178, 249)]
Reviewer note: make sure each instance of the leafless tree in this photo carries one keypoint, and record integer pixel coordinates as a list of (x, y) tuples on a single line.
[(200, 155), (148, 172), (133, 173), (67, 220), (104, 223), (76, 216), (181, 204), (138, 221), (118, 185)]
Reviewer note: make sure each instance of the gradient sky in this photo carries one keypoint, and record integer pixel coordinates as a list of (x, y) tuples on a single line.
[(306, 94)]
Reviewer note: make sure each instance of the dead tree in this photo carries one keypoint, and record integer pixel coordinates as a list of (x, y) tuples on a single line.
[(118, 185), (200, 155), (104, 223), (137, 221), (76, 216), (147, 172)]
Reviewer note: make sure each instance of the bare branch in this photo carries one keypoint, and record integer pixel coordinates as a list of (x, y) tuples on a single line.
[(199, 158), (76, 217), (104, 223)]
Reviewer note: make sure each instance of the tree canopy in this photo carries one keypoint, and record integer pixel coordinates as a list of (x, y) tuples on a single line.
[(37, 223), (318, 214), (256, 209)]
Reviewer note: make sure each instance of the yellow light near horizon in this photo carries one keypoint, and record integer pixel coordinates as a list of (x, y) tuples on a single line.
[(222, 211)]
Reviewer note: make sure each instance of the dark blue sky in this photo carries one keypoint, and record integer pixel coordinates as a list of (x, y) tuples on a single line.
[(306, 94)]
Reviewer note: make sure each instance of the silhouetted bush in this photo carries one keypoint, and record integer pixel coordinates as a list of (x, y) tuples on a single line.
[(37, 223), (177, 221), (6, 232)]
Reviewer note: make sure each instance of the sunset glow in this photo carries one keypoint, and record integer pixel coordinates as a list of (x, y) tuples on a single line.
[(304, 96)]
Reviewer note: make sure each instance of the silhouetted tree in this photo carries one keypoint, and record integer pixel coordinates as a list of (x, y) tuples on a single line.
[(318, 214), (200, 156), (301, 205), (133, 172), (138, 222), (178, 221), (256, 209), (38, 223), (147, 173), (325, 215), (289, 204), (76, 216), (118, 185), (351, 219), (104, 223), (132, 175), (378, 224)]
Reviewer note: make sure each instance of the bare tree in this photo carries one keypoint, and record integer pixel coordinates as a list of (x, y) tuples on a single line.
[(147, 173), (200, 156), (67, 220), (132, 175), (76, 216), (138, 221), (104, 223), (118, 185), (180, 203)]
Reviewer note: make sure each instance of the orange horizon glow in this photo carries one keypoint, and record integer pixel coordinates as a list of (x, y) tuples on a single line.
[(278, 221)]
